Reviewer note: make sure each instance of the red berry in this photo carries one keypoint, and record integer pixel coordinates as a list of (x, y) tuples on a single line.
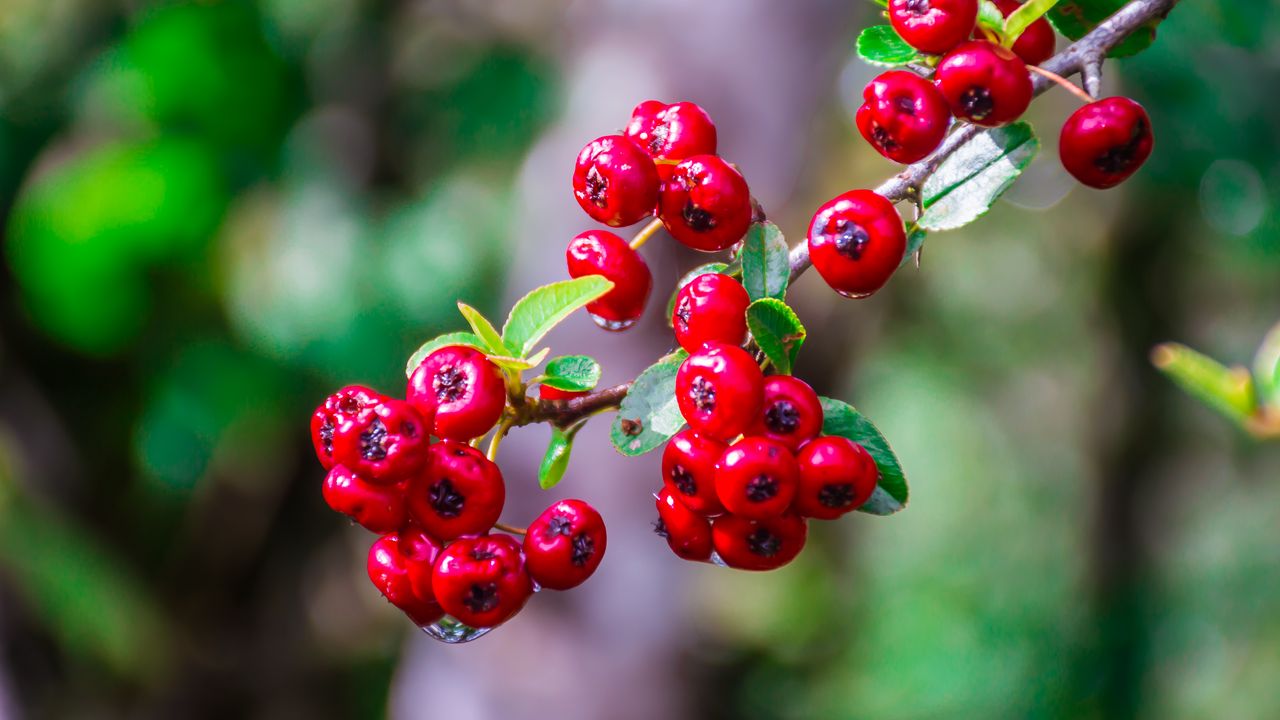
[(791, 413), (1105, 142), (335, 409), (461, 492), (379, 508), (933, 26), (564, 545), (719, 389), (856, 241), (837, 475), (420, 551), (758, 544), (672, 132), (756, 478), (600, 252), (705, 204), (689, 470), (389, 571), (903, 116), (1036, 43), (984, 83), (383, 443), (465, 389), (615, 181), (710, 308), (482, 581), (688, 534), (546, 392)]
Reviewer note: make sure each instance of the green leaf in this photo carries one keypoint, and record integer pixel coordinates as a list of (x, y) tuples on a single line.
[(430, 346), (1266, 367), (1075, 18), (484, 330), (649, 415), (881, 45), (535, 314), (1230, 391), (572, 373), (777, 331), (840, 418), (507, 362), (1021, 18), (711, 267), (556, 459), (990, 17), (766, 267), (915, 241), (976, 175)]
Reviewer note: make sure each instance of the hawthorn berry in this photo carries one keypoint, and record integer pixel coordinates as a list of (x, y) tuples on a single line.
[(837, 475), (464, 389), (689, 470), (687, 533), (719, 389), (710, 308), (1106, 141), (758, 544), (419, 551), (460, 492), (1037, 42), (615, 181), (482, 581), (903, 116), (856, 242), (984, 83), (335, 409), (546, 392), (378, 508), (705, 203), (756, 478), (672, 132), (388, 570), (790, 414), (933, 26), (385, 442), (564, 546), (600, 252)]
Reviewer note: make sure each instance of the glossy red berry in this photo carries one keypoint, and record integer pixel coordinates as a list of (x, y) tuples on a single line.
[(465, 389), (420, 552), (856, 242), (719, 389), (389, 571), (600, 252), (384, 443), (837, 476), (984, 83), (689, 470), (933, 26), (564, 546), (335, 409), (903, 116), (615, 181), (482, 581), (1106, 141), (378, 508), (687, 533), (705, 204), (461, 492), (1037, 42), (791, 413), (756, 478), (672, 132), (710, 308), (758, 544), (546, 392)]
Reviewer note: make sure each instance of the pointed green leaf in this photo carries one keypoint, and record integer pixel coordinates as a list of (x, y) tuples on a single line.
[(777, 331), (966, 185), (766, 265), (1021, 18), (840, 418), (649, 415), (430, 346), (507, 362), (484, 330), (711, 267), (1266, 368), (915, 241), (1075, 18), (535, 314), (556, 460), (881, 45), (572, 373), (990, 17), (1228, 390)]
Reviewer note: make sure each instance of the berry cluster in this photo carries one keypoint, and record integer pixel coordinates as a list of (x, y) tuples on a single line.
[(435, 504), (980, 80)]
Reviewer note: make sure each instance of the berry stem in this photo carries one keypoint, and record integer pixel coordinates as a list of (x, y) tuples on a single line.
[(645, 233), (498, 433), (513, 529), (1065, 83)]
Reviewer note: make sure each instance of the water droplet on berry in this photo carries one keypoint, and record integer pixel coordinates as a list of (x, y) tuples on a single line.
[(452, 632), (613, 325), (715, 559), (854, 295)]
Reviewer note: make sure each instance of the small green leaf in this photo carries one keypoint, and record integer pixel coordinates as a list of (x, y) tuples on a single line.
[(711, 267), (535, 314), (649, 414), (556, 459), (484, 330), (990, 17), (881, 45), (766, 266), (777, 331), (1230, 391), (840, 418), (966, 185), (507, 362), (1266, 368), (915, 241), (1075, 18), (572, 373), (1021, 18), (430, 346)]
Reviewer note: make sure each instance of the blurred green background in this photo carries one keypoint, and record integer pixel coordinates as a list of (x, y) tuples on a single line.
[(217, 212)]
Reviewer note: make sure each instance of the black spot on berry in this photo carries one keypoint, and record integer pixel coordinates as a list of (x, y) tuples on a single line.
[(558, 525), (905, 105), (703, 394), (918, 7), (583, 548), (597, 187), (698, 219), (684, 310), (660, 528), (761, 488), (482, 597), (372, 441), (977, 102), (763, 543), (683, 480), (850, 239), (1119, 159), (836, 496), (482, 554), (326, 435), (445, 500), (782, 417), (450, 384), (881, 138)]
